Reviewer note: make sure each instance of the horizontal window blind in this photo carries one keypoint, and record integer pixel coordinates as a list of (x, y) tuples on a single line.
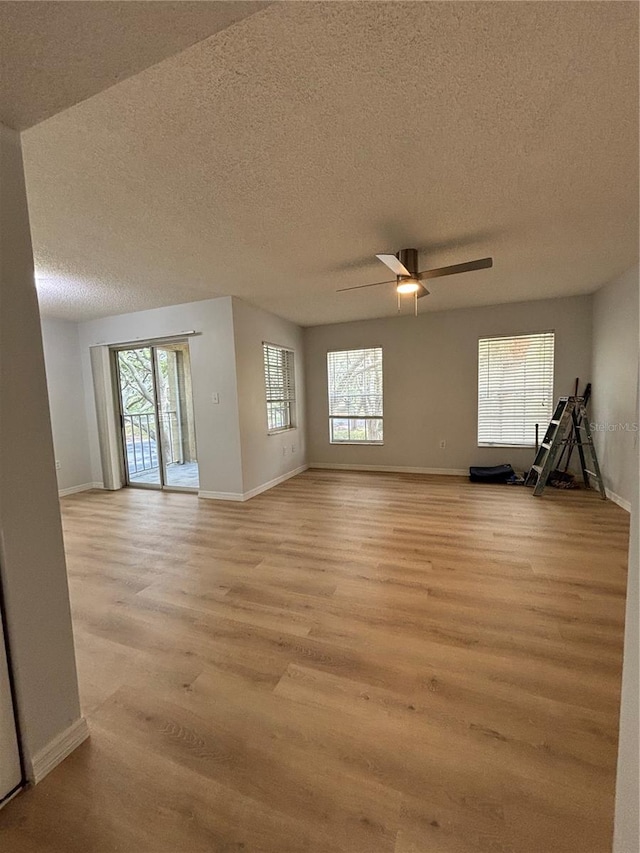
[(279, 380), (355, 395), (515, 388)]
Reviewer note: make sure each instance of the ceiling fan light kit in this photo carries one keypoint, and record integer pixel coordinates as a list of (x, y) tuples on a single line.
[(408, 285), (409, 281)]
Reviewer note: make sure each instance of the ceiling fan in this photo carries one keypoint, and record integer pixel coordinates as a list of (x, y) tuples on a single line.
[(408, 280)]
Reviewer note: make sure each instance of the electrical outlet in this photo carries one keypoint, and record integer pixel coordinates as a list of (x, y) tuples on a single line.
[(293, 448), (58, 464), (284, 449), (443, 444), (215, 398)]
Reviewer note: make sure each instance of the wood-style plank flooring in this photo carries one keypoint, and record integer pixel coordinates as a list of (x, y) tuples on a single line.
[(349, 663)]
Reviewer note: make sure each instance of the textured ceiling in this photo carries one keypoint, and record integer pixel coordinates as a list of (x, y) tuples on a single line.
[(274, 159), (56, 54)]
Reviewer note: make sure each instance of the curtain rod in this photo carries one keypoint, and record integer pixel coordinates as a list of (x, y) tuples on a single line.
[(152, 341)]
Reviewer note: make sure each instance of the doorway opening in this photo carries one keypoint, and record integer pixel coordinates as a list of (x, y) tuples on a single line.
[(156, 416)]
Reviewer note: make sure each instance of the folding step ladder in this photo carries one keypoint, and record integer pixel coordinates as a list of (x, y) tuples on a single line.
[(569, 426)]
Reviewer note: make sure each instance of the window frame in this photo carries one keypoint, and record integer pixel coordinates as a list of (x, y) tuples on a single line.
[(380, 417), (543, 423), (289, 402)]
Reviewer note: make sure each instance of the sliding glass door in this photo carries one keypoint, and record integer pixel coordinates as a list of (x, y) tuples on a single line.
[(156, 406), (175, 414), (139, 416)]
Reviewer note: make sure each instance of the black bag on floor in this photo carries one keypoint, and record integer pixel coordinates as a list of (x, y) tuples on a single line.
[(497, 474)]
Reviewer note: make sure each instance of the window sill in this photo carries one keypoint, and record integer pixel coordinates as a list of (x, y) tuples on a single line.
[(509, 446), (282, 429), (370, 443)]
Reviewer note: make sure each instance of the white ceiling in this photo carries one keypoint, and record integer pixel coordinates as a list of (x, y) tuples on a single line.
[(56, 54), (275, 158)]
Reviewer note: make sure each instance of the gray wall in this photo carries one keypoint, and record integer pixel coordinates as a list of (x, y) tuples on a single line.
[(627, 820), (34, 579), (212, 370), (615, 366), (616, 330), (266, 457), (235, 454), (431, 376), (66, 402)]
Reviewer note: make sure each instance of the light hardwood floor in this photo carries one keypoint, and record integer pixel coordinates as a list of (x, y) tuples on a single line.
[(349, 663)]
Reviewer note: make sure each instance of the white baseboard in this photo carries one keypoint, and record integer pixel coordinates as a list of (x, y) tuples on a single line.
[(392, 469), (57, 750), (221, 496), (245, 496), (623, 502), (275, 482), (83, 488)]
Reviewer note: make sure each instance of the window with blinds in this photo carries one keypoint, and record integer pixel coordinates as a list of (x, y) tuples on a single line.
[(279, 381), (355, 396), (515, 388)]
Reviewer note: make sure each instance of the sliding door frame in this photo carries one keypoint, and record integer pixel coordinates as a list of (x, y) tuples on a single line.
[(121, 414), (150, 344)]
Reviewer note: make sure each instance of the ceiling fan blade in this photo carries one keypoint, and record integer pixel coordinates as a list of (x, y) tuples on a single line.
[(359, 286), (394, 264), (423, 291), (482, 264)]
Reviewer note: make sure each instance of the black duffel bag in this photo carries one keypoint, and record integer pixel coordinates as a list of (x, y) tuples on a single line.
[(497, 474)]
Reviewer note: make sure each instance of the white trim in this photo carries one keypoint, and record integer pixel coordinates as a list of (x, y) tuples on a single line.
[(392, 469), (57, 750), (245, 496), (361, 443), (83, 488), (221, 496), (140, 342), (265, 486), (623, 502)]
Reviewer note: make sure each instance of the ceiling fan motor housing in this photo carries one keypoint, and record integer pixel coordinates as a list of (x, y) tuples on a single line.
[(409, 259)]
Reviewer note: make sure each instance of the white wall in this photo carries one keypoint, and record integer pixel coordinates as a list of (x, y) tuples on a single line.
[(615, 365), (431, 380), (627, 820), (66, 403), (266, 457), (33, 571), (235, 454), (212, 370)]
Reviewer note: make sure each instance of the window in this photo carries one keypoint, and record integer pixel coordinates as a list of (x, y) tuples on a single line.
[(355, 396), (280, 386), (515, 389)]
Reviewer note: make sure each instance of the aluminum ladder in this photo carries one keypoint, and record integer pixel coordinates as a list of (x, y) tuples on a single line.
[(570, 427)]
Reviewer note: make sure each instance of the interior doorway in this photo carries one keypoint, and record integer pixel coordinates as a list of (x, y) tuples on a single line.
[(156, 416)]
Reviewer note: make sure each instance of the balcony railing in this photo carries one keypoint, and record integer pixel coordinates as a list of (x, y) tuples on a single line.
[(141, 440)]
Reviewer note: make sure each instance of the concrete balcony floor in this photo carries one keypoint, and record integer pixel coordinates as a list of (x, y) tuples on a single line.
[(184, 474)]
